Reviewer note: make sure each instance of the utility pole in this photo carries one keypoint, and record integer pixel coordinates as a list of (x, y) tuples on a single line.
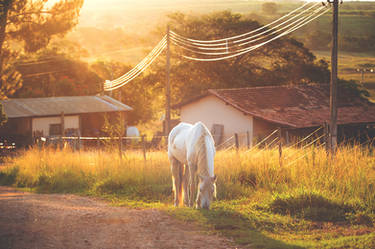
[(363, 71), (168, 89), (111, 92), (333, 85)]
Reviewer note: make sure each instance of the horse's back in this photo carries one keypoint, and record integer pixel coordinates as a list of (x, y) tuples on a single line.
[(177, 141), (183, 139)]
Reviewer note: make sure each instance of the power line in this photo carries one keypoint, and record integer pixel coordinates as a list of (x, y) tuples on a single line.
[(138, 69), (140, 66), (39, 74), (234, 49), (253, 31), (111, 85), (225, 48), (203, 43), (258, 45)]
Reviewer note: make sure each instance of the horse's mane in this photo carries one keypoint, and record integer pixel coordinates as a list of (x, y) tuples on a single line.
[(201, 150)]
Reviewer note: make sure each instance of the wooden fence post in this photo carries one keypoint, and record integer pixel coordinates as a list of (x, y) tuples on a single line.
[(98, 141), (144, 147), (62, 127), (237, 144), (79, 143), (326, 136), (248, 139), (120, 145), (287, 137)]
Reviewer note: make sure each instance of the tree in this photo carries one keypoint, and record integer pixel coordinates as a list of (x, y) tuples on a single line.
[(3, 117), (31, 25), (269, 8), (54, 73), (142, 94)]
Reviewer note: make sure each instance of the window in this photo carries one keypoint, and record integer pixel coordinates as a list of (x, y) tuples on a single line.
[(54, 129)]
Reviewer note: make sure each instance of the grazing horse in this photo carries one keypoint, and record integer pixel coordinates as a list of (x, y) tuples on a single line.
[(191, 152)]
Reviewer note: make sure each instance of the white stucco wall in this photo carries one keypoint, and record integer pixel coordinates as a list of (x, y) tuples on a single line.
[(211, 110), (42, 124)]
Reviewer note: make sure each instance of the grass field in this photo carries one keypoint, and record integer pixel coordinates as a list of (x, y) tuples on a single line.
[(349, 62), (311, 201)]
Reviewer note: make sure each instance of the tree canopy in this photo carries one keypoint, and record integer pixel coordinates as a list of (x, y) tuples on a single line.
[(56, 73), (27, 25)]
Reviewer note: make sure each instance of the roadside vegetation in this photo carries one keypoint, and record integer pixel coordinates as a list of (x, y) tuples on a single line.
[(310, 201)]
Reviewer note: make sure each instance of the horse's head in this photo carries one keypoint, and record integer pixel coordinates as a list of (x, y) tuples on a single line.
[(206, 191)]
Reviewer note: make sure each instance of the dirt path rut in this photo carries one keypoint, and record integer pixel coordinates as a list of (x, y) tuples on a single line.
[(41, 221)]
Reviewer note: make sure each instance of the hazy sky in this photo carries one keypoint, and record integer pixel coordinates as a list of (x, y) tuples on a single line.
[(108, 4), (95, 12)]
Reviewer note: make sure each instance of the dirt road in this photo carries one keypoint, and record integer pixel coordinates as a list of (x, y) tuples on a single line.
[(37, 221)]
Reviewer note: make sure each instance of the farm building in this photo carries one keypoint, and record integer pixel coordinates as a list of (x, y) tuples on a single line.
[(253, 113), (77, 115)]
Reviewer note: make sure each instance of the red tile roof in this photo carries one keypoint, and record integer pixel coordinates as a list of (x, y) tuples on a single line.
[(297, 106)]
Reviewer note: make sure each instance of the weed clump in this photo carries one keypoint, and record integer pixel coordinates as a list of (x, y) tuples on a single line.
[(8, 176)]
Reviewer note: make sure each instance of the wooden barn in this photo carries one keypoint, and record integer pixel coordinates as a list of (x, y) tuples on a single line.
[(44, 117), (255, 112)]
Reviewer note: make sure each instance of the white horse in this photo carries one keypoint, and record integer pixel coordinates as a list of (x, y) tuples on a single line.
[(191, 151)]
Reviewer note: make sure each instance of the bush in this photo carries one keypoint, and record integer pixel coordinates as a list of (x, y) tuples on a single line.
[(8, 177)]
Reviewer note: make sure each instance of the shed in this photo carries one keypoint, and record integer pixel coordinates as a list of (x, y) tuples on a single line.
[(33, 117), (257, 111)]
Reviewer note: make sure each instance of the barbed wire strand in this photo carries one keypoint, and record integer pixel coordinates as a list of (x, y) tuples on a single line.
[(304, 155), (266, 147), (226, 141), (307, 145), (252, 148), (305, 138)]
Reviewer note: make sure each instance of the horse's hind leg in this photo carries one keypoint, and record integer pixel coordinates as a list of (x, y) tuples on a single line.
[(176, 168), (185, 186)]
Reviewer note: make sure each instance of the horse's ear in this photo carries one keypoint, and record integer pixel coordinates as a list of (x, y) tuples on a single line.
[(214, 178)]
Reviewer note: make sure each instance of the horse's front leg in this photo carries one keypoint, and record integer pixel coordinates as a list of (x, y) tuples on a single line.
[(192, 185), (185, 185)]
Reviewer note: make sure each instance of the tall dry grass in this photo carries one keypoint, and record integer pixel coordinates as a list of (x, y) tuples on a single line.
[(348, 177)]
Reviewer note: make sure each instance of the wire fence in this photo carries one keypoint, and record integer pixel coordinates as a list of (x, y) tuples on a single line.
[(315, 139)]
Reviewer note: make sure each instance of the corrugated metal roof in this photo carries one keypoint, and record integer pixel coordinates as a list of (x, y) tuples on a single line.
[(296, 106), (51, 106)]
